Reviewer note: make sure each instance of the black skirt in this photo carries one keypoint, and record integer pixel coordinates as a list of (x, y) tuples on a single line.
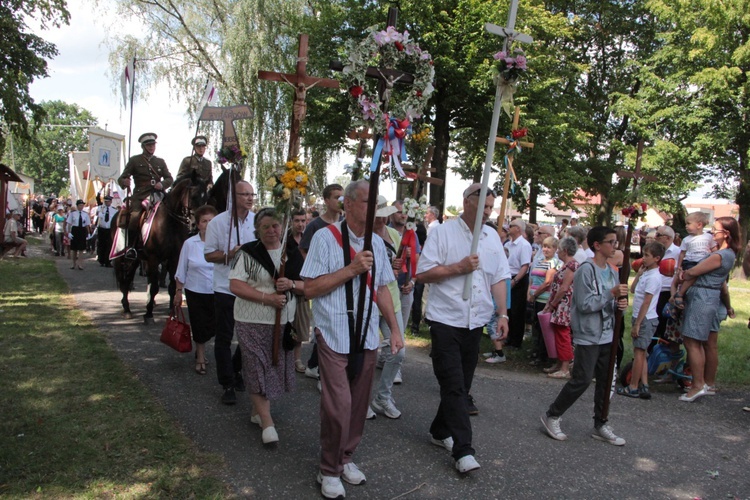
[(79, 238), (201, 314)]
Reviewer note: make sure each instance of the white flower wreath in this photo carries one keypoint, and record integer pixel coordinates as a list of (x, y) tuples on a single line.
[(386, 49)]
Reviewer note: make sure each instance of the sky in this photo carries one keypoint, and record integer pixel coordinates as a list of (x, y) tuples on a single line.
[(81, 74)]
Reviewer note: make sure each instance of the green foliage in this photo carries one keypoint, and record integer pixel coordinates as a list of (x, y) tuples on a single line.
[(45, 158), (23, 59)]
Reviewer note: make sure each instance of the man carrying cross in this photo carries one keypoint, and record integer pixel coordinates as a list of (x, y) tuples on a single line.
[(332, 273)]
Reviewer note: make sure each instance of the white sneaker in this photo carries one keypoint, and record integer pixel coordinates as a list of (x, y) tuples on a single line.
[(446, 443), (312, 373), (255, 419), (370, 414), (466, 464), (552, 426), (495, 359), (331, 487), (488, 354), (352, 474), (387, 408), (320, 387), (269, 435), (604, 433), (398, 379)]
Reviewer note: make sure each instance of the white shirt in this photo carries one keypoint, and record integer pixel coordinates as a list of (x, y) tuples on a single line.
[(101, 214), (581, 256), (673, 252), (193, 270), (697, 247), (519, 254), (247, 270), (432, 225), (589, 253), (329, 311), (74, 218), (218, 238), (449, 244), (650, 282)]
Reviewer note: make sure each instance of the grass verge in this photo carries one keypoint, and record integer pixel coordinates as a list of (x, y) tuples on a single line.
[(74, 421)]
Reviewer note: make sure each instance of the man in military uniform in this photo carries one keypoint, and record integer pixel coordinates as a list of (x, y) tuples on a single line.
[(196, 162), (150, 175)]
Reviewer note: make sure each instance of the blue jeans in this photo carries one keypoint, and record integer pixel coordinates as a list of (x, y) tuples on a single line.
[(392, 362)]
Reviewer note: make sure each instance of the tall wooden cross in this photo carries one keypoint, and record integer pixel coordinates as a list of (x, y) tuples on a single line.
[(511, 143), (386, 77), (508, 33), (227, 115), (302, 82), (422, 174), (624, 272)]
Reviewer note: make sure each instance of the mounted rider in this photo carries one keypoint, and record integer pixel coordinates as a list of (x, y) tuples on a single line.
[(197, 163), (151, 177)]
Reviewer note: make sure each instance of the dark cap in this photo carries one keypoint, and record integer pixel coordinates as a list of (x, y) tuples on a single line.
[(199, 140), (108, 198), (147, 138), (80, 202)]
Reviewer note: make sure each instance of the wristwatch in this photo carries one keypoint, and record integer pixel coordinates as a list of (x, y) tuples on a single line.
[(505, 316)]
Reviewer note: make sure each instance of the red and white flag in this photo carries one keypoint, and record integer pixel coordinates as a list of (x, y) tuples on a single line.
[(127, 82), (209, 95)]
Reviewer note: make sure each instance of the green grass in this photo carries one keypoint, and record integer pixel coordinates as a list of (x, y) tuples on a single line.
[(734, 341), (74, 421)]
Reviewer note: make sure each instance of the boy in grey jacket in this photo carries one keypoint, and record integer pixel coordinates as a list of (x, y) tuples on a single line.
[(596, 293)]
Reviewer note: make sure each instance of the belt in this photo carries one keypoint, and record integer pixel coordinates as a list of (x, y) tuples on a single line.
[(707, 287)]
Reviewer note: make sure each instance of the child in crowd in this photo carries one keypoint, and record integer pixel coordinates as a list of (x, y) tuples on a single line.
[(695, 247), (647, 287)]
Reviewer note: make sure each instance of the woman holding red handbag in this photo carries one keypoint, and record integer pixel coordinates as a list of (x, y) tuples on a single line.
[(195, 276)]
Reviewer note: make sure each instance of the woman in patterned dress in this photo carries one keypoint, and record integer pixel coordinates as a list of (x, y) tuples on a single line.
[(260, 292), (561, 293), (703, 304)]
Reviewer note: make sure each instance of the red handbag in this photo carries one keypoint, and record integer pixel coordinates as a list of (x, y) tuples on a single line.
[(176, 333)]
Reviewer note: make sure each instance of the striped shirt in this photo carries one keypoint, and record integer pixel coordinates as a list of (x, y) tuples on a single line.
[(329, 311)]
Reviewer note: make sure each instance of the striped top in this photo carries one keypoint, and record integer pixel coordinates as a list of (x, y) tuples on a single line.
[(329, 311), (538, 275)]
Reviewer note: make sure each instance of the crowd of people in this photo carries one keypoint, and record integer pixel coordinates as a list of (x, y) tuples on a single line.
[(242, 275)]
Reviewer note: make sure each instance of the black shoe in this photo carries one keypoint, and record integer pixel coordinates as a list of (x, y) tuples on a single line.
[(229, 397), (473, 410), (239, 383)]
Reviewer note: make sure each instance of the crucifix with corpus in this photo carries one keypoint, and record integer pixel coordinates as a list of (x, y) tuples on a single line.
[(387, 78), (301, 82), (509, 34)]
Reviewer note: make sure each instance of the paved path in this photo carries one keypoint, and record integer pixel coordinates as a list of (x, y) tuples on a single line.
[(674, 449)]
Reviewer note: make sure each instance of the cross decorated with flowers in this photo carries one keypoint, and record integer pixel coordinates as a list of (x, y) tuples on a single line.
[(514, 144)]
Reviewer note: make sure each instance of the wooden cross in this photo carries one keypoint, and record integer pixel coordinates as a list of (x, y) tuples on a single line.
[(227, 115), (363, 136), (422, 174), (301, 82), (509, 170), (636, 175)]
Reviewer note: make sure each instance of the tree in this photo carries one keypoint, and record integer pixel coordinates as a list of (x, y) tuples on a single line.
[(702, 93), (23, 59), (45, 157)]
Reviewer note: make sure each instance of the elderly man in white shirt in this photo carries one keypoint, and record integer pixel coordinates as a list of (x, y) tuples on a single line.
[(220, 248), (455, 324), (665, 236), (519, 260)]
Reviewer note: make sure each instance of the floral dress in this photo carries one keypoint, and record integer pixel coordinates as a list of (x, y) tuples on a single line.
[(561, 314)]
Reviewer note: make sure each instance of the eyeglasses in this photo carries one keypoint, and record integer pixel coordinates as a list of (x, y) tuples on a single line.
[(251, 195), (490, 192), (716, 231)]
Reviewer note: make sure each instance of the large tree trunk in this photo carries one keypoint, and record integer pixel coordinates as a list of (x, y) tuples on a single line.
[(440, 156), (533, 196)]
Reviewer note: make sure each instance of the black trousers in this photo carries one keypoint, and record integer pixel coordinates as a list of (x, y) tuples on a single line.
[(454, 359), (517, 313), (104, 245), (228, 366), (591, 361), (416, 308)]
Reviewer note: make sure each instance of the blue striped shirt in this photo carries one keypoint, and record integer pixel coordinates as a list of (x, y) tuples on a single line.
[(329, 311)]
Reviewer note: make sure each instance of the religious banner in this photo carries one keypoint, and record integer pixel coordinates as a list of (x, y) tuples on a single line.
[(105, 149), (78, 162)]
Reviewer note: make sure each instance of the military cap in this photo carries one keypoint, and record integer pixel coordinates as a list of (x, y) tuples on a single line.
[(147, 138)]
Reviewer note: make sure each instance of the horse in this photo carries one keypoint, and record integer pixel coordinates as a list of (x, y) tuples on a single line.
[(219, 193), (169, 229)]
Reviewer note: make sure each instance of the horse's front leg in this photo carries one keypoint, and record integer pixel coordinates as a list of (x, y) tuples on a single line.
[(152, 273)]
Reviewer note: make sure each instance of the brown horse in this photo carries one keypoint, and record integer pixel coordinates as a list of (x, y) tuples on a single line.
[(169, 229)]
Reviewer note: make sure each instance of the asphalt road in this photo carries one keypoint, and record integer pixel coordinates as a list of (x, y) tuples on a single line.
[(673, 450)]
